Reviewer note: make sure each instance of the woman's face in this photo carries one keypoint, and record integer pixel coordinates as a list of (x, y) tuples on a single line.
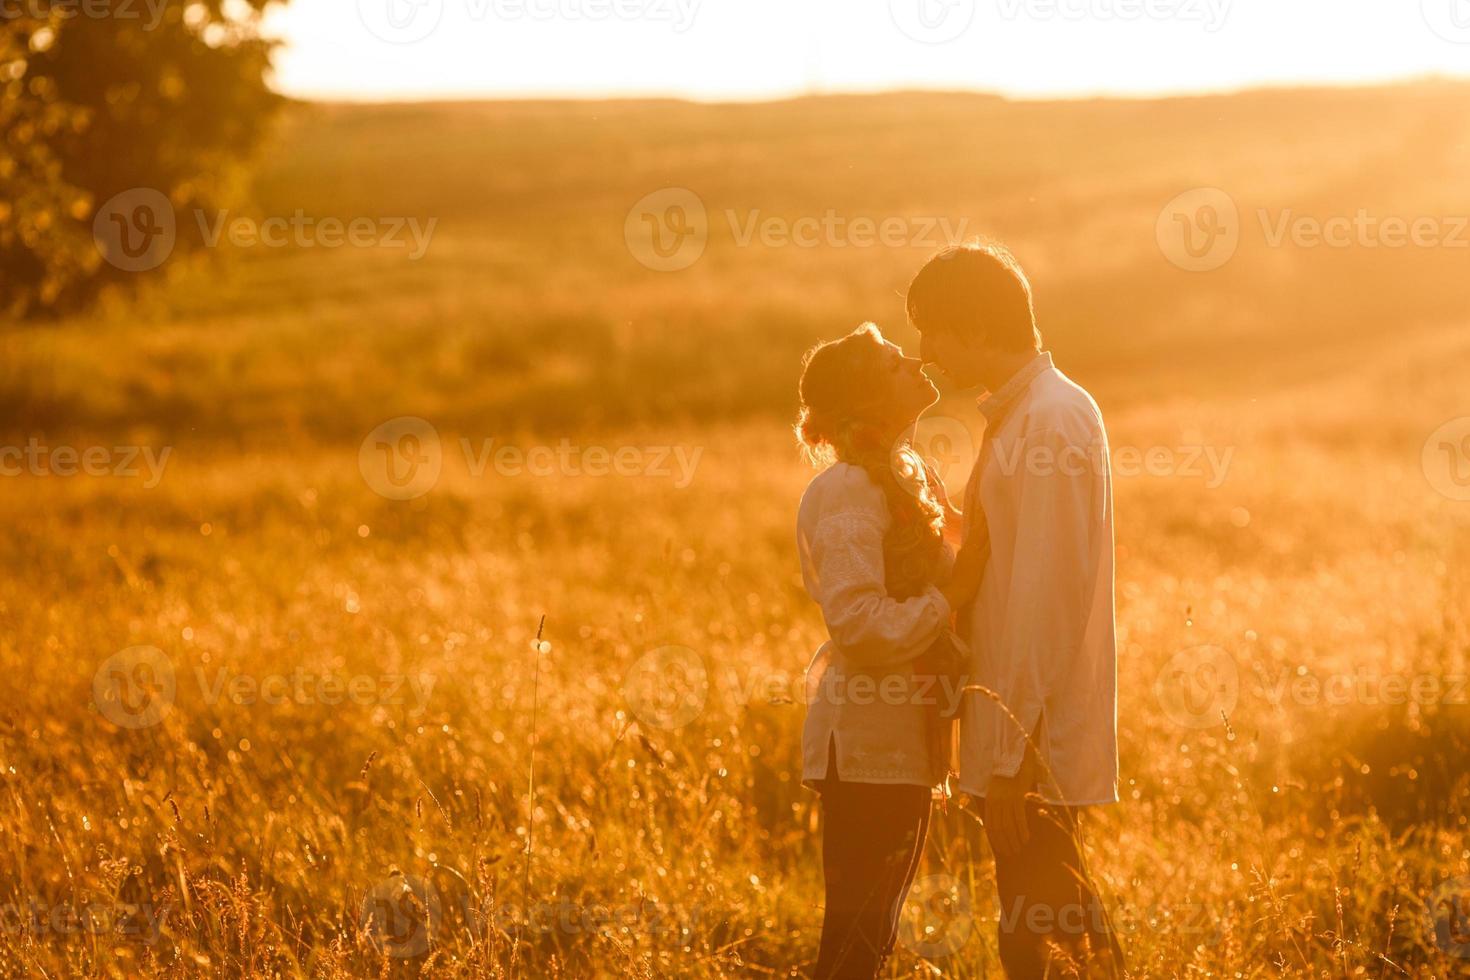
[(909, 390)]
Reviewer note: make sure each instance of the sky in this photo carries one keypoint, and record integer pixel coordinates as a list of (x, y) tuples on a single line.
[(375, 50)]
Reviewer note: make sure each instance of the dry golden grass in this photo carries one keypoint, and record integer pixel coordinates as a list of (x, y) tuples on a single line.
[(1298, 838)]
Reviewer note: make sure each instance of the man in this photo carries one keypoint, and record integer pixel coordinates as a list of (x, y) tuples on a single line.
[(1042, 627)]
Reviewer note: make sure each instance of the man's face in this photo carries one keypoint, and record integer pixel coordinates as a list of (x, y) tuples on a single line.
[(956, 358)]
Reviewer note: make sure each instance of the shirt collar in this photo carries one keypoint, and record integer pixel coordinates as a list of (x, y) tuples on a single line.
[(997, 404)]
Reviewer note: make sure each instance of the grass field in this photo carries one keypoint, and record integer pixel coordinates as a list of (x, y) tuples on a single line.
[(322, 766)]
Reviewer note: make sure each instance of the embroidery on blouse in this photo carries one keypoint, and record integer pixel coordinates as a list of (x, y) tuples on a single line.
[(851, 548)]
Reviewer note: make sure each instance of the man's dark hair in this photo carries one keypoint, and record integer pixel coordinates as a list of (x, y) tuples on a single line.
[(978, 290)]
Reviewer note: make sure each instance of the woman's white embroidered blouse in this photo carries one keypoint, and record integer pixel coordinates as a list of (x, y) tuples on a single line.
[(861, 698)]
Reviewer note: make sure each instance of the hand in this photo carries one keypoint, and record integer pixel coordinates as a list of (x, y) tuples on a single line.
[(1005, 808), (964, 579)]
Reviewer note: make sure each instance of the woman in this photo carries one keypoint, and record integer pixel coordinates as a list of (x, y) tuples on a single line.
[(871, 536)]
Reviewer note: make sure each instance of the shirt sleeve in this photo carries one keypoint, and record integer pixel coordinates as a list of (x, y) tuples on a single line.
[(1062, 512), (865, 623)]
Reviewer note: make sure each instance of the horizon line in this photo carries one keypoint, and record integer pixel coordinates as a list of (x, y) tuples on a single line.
[(1103, 95)]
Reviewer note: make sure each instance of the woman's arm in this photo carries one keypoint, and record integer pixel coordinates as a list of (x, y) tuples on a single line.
[(846, 560)]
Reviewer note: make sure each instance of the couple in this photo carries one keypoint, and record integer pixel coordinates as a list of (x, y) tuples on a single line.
[(1010, 596)]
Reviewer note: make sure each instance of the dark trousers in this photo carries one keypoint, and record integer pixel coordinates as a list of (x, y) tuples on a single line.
[(872, 838), (1048, 903)]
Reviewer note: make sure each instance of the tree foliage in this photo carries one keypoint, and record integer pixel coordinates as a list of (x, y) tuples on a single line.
[(101, 97)]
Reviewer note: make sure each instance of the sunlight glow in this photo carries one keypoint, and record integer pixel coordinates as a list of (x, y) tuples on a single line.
[(738, 49)]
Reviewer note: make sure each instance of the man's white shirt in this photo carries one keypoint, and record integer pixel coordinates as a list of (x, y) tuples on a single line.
[(1042, 628)]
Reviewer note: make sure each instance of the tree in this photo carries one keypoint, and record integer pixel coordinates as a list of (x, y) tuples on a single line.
[(113, 112)]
